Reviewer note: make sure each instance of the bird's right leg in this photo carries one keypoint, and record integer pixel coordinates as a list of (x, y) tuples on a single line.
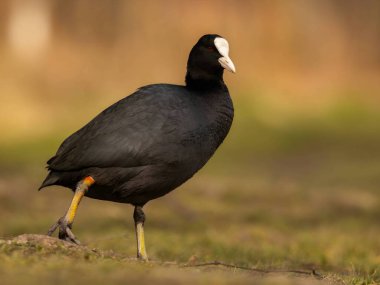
[(65, 223), (139, 217)]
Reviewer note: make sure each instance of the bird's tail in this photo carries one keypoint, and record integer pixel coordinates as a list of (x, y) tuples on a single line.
[(51, 179)]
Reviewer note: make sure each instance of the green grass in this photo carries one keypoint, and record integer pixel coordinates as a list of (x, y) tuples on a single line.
[(302, 193)]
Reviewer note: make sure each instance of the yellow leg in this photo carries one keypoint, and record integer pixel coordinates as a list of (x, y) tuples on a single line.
[(79, 193), (65, 223), (139, 218), (141, 251)]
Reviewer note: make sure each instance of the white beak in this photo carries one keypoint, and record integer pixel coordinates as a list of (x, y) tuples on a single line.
[(222, 46), (227, 63)]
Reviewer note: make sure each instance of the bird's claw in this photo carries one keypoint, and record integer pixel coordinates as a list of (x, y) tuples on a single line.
[(65, 232)]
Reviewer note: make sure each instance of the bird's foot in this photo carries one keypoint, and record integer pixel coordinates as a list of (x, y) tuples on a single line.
[(65, 232), (143, 257)]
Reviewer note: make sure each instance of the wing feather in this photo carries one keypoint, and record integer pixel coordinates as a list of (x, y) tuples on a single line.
[(132, 132)]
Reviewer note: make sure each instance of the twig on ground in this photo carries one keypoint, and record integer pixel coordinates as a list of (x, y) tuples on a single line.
[(313, 272)]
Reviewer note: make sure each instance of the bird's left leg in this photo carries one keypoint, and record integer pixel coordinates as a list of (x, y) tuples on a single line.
[(65, 223)]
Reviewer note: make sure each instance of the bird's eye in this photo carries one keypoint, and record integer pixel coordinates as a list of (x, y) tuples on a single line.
[(211, 48)]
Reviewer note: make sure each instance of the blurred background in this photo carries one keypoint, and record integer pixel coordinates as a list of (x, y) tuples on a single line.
[(297, 182)]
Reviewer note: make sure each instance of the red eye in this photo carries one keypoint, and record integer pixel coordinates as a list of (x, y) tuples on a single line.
[(211, 48)]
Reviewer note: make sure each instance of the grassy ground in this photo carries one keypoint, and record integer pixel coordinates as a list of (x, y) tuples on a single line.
[(300, 193)]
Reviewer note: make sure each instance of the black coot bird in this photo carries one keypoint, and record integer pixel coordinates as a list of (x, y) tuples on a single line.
[(150, 142)]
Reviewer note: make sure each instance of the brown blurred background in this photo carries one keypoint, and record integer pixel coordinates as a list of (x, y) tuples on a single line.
[(296, 183), (64, 60)]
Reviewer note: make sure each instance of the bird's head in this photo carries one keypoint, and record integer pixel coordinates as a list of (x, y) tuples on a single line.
[(208, 59)]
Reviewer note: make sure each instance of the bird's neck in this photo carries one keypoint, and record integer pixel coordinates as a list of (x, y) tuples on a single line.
[(197, 79)]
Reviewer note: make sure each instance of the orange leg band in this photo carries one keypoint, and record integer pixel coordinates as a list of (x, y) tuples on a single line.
[(89, 181)]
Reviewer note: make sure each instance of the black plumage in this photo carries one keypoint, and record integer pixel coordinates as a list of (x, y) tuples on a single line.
[(152, 141)]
